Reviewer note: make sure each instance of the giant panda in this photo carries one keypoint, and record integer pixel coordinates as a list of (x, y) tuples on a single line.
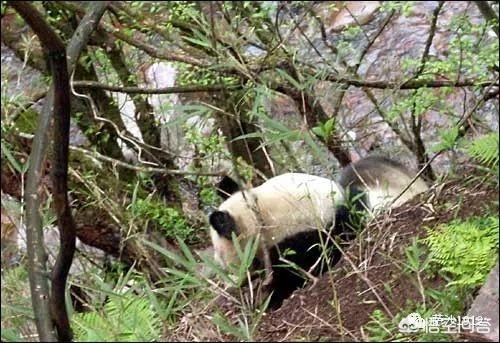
[(294, 212), (306, 214)]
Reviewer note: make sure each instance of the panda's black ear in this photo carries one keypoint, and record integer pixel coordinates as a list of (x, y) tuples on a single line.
[(226, 187), (223, 223)]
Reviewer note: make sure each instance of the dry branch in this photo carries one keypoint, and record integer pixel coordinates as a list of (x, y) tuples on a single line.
[(95, 154)]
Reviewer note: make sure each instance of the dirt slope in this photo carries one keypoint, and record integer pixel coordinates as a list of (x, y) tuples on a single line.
[(373, 264)]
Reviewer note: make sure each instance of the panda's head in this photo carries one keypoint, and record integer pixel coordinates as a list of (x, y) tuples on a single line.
[(234, 216), (223, 225)]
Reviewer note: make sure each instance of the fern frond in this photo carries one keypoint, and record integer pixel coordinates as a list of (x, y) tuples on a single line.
[(124, 318), (467, 250), (485, 150)]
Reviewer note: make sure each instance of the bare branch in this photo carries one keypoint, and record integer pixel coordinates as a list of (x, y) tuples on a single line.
[(488, 14), (54, 47), (314, 113), (411, 84), (373, 39), (59, 175), (430, 38), (391, 123), (94, 154), (166, 90), (153, 51)]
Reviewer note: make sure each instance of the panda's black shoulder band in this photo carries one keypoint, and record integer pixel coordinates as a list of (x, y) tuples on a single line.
[(226, 187)]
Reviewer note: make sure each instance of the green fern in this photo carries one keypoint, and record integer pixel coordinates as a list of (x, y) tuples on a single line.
[(485, 150), (124, 318), (467, 250)]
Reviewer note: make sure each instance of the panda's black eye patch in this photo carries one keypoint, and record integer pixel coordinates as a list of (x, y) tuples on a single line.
[(223, 223)]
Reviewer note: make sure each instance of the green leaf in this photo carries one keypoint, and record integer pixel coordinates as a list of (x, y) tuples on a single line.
[(6, 152), (290, 79), (319, 131), (169, 254), (249, 135), (217, 269), (187, 252), (329, 125), (200, 42)]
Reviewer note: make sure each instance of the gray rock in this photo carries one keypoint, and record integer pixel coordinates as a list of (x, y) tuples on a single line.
[(486, 304)]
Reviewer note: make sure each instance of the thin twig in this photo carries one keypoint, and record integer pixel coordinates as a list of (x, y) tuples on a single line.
[(94, 155), (373, 39), (365, 279), (141, 168), (106, 120), (416, 120)]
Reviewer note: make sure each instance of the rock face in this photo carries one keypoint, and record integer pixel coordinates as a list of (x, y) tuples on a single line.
[(486, 304), (353, 13)]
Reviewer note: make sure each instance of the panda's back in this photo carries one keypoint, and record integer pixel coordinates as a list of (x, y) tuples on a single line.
[(299, 186), (286, 204)]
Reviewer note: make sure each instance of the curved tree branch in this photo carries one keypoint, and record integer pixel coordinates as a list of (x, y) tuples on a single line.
[(59, 176), (58, 100), (54, 47)]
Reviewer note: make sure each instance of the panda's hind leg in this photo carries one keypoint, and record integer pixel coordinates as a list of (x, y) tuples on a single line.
[(297, 259)]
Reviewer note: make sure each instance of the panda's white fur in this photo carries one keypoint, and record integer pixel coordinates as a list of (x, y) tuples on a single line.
[(281, 207)]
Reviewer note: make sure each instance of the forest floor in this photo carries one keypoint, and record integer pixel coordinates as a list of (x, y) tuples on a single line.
[(371, 275)]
